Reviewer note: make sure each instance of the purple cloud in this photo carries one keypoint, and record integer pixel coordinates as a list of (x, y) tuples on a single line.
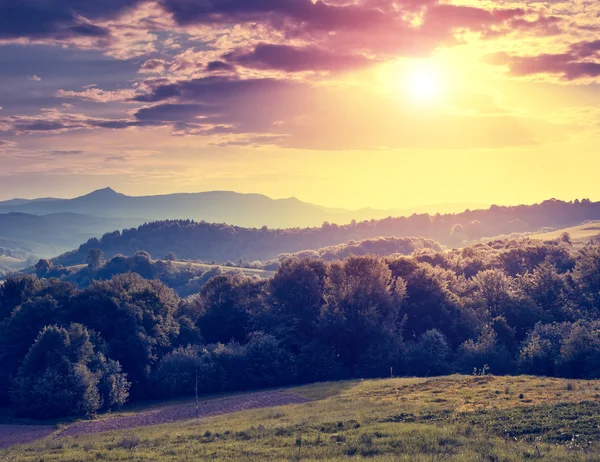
[(295, 59), (58, 18), (581, 60)]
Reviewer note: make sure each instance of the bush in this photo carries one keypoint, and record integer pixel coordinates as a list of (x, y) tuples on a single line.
[(178, 371)]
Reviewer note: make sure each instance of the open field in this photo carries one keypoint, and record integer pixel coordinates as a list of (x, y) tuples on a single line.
[(246, 271), (456, 418), (204, 267), (580, 234)]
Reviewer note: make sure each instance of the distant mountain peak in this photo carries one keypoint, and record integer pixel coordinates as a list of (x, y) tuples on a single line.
[(105, 192)]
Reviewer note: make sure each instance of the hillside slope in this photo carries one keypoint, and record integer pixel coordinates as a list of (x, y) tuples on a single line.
[(453, 418)]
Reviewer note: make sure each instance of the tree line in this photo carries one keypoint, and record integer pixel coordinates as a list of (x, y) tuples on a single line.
[(222, 242), (504, 307)]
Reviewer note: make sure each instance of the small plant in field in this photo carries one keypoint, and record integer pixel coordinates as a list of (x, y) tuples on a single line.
[(129, 442), (481, 372), (521, 396), (570, 386)]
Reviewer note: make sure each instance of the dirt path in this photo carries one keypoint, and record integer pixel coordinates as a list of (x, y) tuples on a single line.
[(11, 435), (22, 434), (174, 413)]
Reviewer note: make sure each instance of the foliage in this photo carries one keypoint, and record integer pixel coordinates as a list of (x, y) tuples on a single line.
[(64, 375), (502, 307)]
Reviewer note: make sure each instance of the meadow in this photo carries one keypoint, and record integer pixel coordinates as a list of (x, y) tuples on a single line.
[(580, 235), (453, 418)]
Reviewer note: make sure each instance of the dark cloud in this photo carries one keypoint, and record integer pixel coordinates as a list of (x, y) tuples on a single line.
[(318, 15), (219, 66), (294, 59), (576, 63), (115, 159), (214, 89), (57, 19), (66, 153)]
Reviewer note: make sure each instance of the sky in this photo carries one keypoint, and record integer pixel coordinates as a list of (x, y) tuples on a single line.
[(343, 103)]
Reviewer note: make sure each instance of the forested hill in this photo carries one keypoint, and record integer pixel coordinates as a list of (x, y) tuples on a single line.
[(221, 242)]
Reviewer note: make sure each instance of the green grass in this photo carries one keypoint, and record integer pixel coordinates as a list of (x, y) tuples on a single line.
[(456, 418), (579, 234)]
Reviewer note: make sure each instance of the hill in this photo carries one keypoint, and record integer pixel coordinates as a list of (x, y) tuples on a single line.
[(581, 234), (24, 238), (190, 240), (252, 210), (453, 418)]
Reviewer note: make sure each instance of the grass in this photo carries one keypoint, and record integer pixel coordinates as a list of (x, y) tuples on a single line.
[(246, 271), (204, 267), (456, 418), (579, 234)]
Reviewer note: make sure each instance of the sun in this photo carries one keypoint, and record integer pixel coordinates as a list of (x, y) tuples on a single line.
[(423, 81)]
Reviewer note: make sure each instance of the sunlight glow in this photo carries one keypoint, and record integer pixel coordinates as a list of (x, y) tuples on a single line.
[(423, 81)]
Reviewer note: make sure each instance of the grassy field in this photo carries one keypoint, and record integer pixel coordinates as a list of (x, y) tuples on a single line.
[(579, 234), (201, 266), (246, 271), (455, 418)]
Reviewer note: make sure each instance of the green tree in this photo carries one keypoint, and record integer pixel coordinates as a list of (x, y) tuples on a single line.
[(62, 375), (135, 317), (95, 259)]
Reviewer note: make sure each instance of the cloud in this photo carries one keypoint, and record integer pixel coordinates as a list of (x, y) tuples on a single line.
[(71, 152), (34, 78), (115, 159), (153, 66), (58, 18), (97, 95), (580, 61), (293, 59), (55, 121)]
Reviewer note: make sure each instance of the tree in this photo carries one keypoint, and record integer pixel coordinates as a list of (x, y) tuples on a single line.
[(541, 350), (177, 372), (580, 352), (136, 318), (429, 356), (430, 304), (225, 304), (548, 289), (62, 376), (95, 259), (566, 238), (362, 302), (43, 266), (486, 350), (587, 277), (16, 290), (297, 291)]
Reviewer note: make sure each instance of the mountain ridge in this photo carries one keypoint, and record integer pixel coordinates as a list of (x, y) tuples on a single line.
[(241, 209)]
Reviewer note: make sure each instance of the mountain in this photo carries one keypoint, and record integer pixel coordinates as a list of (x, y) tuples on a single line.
[(17, 201), (249, 210)]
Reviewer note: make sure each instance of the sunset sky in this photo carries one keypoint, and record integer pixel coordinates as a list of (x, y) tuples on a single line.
[(344, 103)]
